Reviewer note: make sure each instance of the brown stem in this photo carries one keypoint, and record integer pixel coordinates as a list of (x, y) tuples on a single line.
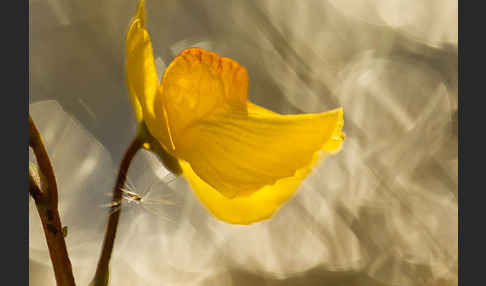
[(102, 270), (36, 185), (46, 200), (43, 161)]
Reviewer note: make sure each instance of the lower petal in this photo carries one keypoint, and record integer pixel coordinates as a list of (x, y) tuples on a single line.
[(258, 206)]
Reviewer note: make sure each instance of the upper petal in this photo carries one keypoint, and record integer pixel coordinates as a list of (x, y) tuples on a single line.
[(142, 81), (141, 75), (196, 83)]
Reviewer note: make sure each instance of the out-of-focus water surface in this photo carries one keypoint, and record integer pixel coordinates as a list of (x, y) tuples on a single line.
[(382, 212)]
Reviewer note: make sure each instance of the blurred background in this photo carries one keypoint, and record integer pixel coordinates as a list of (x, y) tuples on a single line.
[(382, 211)]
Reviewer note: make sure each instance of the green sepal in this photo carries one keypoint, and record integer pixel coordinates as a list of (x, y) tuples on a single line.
[(151, 144)]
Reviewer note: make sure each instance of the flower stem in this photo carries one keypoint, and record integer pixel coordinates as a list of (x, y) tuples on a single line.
[(46, 200), (102, 270)]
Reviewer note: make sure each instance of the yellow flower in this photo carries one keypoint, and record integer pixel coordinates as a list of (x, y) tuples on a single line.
[(242, 161)]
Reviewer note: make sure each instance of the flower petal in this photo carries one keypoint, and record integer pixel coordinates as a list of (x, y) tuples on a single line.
[(258, 206), (243, 161), (142, 80), (239, 153), (196, 83), (262, 203)]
